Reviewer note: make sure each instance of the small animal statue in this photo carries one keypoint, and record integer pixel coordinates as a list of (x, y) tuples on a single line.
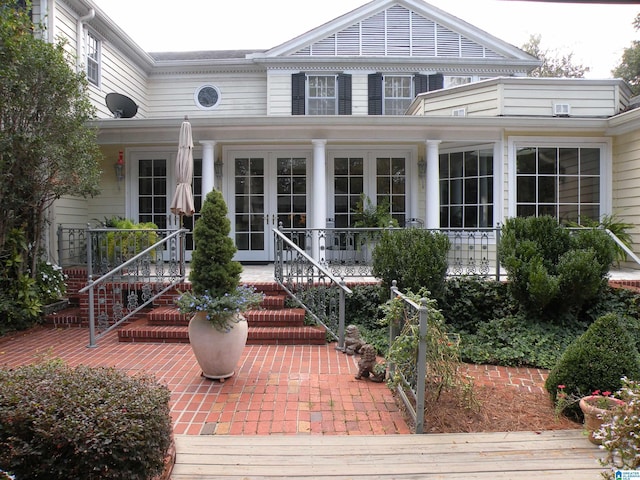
[(353, 342), (367, 361)]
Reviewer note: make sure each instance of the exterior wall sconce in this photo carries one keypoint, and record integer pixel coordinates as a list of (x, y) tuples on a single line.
[(119, 168), (218, 168), (422, 168)]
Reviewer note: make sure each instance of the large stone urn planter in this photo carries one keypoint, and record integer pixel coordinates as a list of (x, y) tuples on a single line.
[(217, 353)]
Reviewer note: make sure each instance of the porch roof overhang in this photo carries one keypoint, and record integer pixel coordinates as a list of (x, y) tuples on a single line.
[(340, 129)]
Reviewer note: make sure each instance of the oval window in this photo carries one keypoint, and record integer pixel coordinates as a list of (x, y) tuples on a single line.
[(207, 97)]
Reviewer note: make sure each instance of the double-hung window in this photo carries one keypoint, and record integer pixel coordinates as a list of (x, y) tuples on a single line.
[(322, 96), (93, 59), (398, 94)]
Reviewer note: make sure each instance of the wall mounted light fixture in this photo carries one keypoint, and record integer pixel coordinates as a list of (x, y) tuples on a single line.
[(218, 167), (422, 168), (119, 168)]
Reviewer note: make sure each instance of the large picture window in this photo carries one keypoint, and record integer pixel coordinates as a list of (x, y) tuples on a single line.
[(563, 182), (466, 189)]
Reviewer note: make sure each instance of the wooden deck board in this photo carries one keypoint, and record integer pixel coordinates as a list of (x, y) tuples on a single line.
[(512, 455)]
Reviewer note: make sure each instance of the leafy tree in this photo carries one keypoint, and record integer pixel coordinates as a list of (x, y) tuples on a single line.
[(553, 63), (629, 67), (47, 149)]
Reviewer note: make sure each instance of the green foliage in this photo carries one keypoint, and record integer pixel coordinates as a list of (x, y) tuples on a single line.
[(122, 245), (554, 64), (629, 67), (619, 434), (517, 341), (416, 258), (616, 226), (50, 282), (20, 303), (213, 270), (442, 349), (47, 148), (368, 215), (596, 360), (58, 422), (470, 302), (551, 270)]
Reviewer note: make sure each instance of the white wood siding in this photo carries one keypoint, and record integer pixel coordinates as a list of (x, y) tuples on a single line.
[(279, 96), (481, 102), (242, 94), (626, 179)]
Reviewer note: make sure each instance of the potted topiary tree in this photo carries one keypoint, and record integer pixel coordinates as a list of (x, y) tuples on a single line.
[(218, 330)]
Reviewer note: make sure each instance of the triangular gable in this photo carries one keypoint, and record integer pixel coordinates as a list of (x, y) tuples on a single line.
[(398, 28)]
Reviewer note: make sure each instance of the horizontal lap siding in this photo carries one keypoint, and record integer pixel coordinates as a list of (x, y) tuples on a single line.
[(588, 101), (626, 179), (279, 93), (483, 102), (241, 94)]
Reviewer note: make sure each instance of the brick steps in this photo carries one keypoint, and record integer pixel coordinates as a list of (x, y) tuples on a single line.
[(272, 324)]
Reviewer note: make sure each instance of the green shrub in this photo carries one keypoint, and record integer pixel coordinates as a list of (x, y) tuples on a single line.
[(58, 423), (416, 258), (470, 302), (516, 340), (551, 270), (130, 239), (50, 282), (596, 360)]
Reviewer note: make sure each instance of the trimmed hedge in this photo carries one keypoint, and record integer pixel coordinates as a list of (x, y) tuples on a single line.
[(59, 422)]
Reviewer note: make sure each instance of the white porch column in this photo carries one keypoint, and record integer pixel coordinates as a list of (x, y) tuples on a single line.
[(319, 197), (208, 171), (433, 184)]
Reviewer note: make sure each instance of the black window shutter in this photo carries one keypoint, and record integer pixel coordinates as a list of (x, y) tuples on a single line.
[(375, 94), (298, 87), (420, 83), (344, 94), (436, 82)]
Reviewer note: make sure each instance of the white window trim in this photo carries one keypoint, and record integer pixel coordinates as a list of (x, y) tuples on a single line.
[(412, 93), (197, 93), (308, 97), (92, 35), (605, 145)]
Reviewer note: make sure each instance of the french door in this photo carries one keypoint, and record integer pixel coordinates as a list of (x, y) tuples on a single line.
[(265, 190), (152, 185)]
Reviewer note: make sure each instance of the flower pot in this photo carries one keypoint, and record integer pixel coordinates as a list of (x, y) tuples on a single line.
[(217, 352), (593, 413)]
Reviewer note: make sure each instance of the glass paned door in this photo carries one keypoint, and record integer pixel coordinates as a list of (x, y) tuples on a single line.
[(153, 201), (268, 190)]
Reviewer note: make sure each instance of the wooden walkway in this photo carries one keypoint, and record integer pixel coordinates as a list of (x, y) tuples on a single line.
[(514, 455)]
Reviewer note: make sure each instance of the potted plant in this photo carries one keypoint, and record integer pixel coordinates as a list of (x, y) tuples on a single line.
[(597, 409), (218, 330)]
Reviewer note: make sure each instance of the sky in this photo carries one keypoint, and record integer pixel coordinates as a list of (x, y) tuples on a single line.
[(596, 34)]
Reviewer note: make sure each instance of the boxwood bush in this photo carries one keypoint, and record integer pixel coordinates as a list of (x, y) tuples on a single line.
[(596, 360), (59, 422)]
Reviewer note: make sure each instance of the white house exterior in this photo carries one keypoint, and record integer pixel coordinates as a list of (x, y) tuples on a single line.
[(396, 99)]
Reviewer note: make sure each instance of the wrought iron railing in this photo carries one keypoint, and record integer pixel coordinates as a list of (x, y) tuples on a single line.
[(410, 379), (72, 245), (346, 252), (123, 291), (311, 285)]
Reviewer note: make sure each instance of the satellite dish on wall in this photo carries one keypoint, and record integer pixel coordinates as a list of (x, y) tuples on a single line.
[(120, 105)]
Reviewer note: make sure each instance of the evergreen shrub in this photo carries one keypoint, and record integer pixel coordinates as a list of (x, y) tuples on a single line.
[(416, 258), (59, 422), (596, 360)]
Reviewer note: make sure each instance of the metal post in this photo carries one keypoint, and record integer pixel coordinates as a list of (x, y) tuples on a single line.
[(422, 366), (498, 253), (341, 312), (92, 323)]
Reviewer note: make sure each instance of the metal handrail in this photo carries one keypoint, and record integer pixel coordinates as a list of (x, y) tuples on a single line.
[(142, 257), (302, 271)]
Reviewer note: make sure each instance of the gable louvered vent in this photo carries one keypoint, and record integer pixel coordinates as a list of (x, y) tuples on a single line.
[(398, 32)]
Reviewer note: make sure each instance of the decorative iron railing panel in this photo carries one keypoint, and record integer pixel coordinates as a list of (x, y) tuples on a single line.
[(348, 252), (411, 376), (315, 289), (134, 284), (72, 245)]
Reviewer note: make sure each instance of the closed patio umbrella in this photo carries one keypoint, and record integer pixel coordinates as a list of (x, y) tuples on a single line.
[(182, 203)]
